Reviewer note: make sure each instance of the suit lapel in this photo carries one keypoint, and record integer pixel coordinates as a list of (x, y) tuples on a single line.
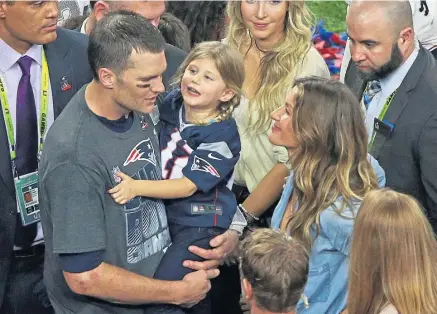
[(56, 53), (394, 111), (5, 164), (400, 100), (354, 81)]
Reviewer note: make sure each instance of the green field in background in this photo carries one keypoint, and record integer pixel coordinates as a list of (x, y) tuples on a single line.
[(333, 13)]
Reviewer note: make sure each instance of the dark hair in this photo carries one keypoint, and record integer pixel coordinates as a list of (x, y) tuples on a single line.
[(116, 36), (204, 19), (175, 32), (74, 22)]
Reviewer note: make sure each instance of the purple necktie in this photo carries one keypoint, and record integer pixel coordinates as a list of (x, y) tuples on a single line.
[(26, 141)]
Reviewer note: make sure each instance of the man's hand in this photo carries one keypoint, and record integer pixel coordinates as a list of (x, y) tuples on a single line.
[(196, 285), (222, 245)]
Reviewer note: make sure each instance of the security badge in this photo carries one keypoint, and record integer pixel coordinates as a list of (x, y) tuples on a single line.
[(383, 127), (206, 209), (26, 189)]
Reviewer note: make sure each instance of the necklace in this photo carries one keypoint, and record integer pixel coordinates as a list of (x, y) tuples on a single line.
[(256, 45)]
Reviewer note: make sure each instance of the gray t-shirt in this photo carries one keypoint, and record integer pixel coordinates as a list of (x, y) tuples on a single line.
[(78, 166)]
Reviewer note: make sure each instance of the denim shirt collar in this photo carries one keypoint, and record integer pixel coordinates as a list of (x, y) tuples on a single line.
[(283, 202)]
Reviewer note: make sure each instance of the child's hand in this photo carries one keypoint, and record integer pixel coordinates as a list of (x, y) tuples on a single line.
[(125, 190)]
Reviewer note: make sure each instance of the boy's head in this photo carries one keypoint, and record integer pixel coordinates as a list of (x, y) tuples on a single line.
[(274, 270)]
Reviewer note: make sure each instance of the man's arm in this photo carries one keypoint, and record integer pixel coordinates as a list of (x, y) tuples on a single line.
[(266, 193), (428, 166), (118, 285)]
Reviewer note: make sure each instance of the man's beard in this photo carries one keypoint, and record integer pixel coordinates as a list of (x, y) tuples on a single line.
[(383, 71)]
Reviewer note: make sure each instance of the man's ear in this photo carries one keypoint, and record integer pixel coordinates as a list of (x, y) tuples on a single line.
[(101, 8), (3, 9), (107, 77), (227, 95), (247, 289), (405, 39)]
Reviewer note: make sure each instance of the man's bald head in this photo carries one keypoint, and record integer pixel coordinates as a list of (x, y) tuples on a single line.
[(151, 10), (381, 36), (396, 14)]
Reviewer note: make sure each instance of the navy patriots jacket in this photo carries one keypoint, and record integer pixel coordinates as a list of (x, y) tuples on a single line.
[(205, 154)]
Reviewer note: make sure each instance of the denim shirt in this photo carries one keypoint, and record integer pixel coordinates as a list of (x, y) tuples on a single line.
[(326, 288)]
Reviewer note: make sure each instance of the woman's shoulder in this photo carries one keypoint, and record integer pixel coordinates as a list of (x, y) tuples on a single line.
[(314, 65)]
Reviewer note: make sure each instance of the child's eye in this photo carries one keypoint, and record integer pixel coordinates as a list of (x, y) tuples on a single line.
[(144, 86), (208, 78), (192, 71)]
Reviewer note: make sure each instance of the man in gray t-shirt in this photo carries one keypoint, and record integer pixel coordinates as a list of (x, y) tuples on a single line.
[(100, 255)]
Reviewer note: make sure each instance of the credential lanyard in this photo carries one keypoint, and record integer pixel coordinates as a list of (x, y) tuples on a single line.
[(44, 105), (382, 115)]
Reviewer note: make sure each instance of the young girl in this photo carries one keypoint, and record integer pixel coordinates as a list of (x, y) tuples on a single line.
[(393, 266), (200, 146)]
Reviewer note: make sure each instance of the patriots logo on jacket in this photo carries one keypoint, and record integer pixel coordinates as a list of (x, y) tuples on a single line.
[(200, 164), (142, 151)]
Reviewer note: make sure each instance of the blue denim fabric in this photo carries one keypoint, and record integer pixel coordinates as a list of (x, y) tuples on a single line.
[(326, 288)]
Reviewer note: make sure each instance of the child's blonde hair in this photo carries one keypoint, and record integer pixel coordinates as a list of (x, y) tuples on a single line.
[(393, 257), (230, 65)]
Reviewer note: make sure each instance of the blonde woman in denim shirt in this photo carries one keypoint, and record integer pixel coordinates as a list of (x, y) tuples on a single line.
[(323, 128)]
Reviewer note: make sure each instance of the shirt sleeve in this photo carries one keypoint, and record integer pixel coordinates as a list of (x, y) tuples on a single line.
[(280, 154), (313, 65), (338, 229), (380, 173), (81, 262), (214, 159), (75, 197)]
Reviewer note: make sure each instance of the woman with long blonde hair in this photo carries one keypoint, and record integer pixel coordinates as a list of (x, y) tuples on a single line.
[(322, 127), (274, 38), (393, 265)]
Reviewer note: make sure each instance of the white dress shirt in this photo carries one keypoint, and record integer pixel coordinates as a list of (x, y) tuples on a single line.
[(11, 74), (388, 86)]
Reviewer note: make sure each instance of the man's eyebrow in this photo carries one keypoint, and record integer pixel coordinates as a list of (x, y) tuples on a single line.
[(365, 41), (146, 78)]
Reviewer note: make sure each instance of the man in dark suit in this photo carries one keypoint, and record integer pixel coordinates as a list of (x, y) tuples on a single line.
[(31, 51), (152, 11), (396, 80)]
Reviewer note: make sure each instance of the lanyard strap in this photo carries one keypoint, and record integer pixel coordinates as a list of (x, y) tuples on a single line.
[(382, 115), (43, 113)]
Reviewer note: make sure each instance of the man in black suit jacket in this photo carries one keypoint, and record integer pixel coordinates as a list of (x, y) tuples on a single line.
[(152, 11), (384, 48), (31, 26)]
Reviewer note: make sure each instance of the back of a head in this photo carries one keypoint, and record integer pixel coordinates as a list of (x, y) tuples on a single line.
[(276, 267), (204, 19), (117, 35), (393, 252), (175, 32)]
